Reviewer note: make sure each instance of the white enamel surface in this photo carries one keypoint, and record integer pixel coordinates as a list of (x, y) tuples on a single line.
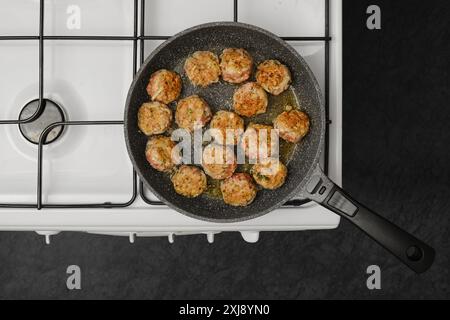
[(285, 17), (90, 80)]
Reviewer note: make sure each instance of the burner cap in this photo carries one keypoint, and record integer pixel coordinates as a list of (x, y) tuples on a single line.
[(52, 113)]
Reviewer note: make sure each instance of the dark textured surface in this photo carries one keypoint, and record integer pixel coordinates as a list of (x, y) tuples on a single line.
[(261, 45), (396, 160)]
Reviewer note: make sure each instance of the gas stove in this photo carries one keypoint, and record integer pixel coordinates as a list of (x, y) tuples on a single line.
[(66, 67)]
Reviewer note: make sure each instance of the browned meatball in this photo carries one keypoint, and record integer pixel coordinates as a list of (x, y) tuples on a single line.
[(202, 68), (161, 153), (164, 86), (154, 118), (292, 125), (236, 65), (227, 121), (192, 113), (219, 162), (250, 99), (273, 76), (239, 190), (189, 181), (269, 173), (254, 147)]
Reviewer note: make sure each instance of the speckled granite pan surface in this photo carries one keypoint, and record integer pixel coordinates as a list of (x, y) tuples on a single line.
[(396, 160)]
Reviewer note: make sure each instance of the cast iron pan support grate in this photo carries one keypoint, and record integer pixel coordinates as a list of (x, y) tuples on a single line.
[(134, 38)]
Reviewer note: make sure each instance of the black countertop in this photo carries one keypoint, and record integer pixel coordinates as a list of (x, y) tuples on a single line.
[(396, 160)]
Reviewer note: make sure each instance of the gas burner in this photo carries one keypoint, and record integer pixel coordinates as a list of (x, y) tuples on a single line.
[(52, 113)]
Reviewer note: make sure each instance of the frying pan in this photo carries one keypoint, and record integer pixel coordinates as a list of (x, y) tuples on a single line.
[(305, 177)]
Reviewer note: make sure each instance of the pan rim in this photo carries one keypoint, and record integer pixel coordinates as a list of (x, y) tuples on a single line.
[(295, 191)]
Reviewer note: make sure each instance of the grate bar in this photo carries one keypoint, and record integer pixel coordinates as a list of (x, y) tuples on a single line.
[(142, 38), (327, 83), (132, 38), (43, 137)]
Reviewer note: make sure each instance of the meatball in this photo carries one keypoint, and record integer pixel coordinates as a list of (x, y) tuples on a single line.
[(189, 181), (269, 173), (227, 121), (236, 65), (273, 76), (250, 99), (219, 162), (164, 86), (238, 190), (154, 118), (202, 68), (161, 153), (258, 143), (192, 113), (292, 125)]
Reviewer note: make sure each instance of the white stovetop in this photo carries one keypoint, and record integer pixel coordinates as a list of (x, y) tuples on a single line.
[(90, 80)]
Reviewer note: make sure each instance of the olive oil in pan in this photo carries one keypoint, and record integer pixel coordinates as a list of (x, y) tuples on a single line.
[(277, 105), (213, 190)]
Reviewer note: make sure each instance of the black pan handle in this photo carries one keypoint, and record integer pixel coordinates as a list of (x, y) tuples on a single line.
[(416, 254)]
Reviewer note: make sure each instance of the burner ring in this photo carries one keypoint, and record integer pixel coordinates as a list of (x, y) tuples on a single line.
[(52, 113)]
